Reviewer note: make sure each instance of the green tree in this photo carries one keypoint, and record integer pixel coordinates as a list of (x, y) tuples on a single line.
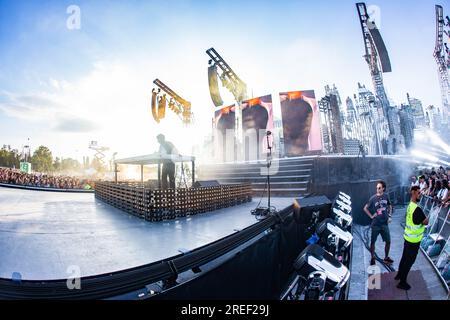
[(42, 160), (4, 154), (9, 157), (70, 164), (99, 166), (57, 164)]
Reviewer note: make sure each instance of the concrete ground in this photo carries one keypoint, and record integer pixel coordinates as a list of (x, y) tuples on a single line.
[(42, 234), (361, 263)]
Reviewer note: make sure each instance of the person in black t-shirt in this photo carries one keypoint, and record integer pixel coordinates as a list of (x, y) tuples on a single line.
[(168, 168), (379, 209)]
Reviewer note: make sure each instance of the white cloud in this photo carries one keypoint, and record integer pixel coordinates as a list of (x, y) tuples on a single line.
[(29, 107), (110, 104), (74, 124), (55, 84)]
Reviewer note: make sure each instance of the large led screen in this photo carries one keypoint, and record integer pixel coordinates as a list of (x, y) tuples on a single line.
[(224, 120), (301, 122), (257, 118)]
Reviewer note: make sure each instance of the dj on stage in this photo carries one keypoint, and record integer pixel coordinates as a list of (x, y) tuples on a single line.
[(168, 168)]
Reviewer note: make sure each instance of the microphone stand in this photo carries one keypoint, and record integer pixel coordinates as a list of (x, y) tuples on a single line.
[(269, 163), (261, 212)]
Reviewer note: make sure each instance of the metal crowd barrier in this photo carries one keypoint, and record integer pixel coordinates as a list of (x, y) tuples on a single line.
[(436, 242)]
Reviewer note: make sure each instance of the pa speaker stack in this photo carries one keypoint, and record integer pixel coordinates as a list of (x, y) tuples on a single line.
[(214, 86), (308, 209)]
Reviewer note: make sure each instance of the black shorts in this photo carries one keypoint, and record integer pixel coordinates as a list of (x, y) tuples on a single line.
[(383, 230)]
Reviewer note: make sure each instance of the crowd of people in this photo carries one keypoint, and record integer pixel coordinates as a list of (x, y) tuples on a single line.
[(434, 183), (14, 176)]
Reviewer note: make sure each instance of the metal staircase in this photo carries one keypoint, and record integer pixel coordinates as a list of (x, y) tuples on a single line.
[(293, 177)]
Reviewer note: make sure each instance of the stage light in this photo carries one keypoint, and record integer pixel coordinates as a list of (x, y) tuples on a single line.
[(171, 105), (345, 200), (213, 85), (315, 285), (315, 259), (344, 195), (224, 80), (230, 86), (162, 107), (333, 238), (343, 206), (237, 87), (176, 103), (341, 218)]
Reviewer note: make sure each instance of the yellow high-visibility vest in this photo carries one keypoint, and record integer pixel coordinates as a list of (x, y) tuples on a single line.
[(413, 232)]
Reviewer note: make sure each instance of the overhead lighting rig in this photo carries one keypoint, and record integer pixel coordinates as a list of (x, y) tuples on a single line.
[(181, 107), (227, 76), (442, 56)]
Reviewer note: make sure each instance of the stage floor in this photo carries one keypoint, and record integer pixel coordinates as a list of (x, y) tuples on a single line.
[(44, 234)]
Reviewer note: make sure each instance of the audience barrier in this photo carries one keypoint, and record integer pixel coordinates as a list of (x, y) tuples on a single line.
[(435, 244)]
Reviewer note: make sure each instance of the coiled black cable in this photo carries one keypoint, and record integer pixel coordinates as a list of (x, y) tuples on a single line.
[(365, 239)]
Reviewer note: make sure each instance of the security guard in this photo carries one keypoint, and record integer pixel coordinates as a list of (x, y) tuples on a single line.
[(414, 231)]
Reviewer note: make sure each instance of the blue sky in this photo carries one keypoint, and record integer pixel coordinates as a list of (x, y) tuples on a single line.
[(64, 88)]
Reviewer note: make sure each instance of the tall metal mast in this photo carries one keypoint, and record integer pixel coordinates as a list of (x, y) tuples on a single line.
[(376, 57), (443, 64)]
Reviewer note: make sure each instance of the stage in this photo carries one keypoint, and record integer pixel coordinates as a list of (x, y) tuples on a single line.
[(42, 234)]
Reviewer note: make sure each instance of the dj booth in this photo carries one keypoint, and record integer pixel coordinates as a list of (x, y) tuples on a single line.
[(155, 204), (155, 159)]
